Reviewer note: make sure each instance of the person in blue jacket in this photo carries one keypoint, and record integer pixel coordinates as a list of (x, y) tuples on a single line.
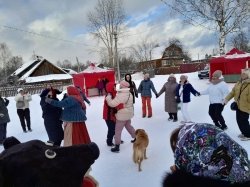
[(51, 116), (73, 117), (183, 93), (145, 88)]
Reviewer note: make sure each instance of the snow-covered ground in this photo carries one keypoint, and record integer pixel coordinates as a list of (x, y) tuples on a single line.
[(118, 169)]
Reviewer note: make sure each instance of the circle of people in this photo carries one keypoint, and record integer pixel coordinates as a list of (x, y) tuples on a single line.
[(118, 110)]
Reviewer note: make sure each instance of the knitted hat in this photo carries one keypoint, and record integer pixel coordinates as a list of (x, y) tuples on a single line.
[(71, 90), (124, 84), (19, 90), (217, 74)]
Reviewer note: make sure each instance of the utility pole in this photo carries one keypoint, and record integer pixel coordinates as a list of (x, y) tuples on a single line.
[(116, 57), (78, 65)]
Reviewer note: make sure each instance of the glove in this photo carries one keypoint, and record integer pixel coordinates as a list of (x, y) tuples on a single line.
[(1, 115), (156, 96), (48, 100), (89, 104), (198, 94)]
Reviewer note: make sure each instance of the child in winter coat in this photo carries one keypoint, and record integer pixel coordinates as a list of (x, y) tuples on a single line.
[(73, 116), (124, 115), (4, 118), (183, 91), (204, 150), (217, 91)]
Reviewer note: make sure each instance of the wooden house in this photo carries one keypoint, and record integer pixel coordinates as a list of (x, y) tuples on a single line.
[(40, 71)]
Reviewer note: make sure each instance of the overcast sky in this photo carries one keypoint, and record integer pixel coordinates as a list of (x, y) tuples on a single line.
[(58, 29)]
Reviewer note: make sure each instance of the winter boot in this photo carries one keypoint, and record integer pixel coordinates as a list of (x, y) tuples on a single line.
[(115, 149), (109, 143)]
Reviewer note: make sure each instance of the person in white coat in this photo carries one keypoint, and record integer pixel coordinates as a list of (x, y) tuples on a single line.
[(124, 115), (22, 104), (217, 91)]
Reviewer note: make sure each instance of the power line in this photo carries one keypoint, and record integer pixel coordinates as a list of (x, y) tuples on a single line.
[(43, 35)]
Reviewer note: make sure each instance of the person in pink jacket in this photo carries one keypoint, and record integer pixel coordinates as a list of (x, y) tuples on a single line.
[(124, 115)]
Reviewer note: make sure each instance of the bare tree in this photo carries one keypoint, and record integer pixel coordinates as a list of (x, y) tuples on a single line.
[(240, 42), (106, 20), (226, 16), (143, 50)]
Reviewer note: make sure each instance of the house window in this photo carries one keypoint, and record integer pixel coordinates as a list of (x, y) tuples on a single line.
[(163, 62)]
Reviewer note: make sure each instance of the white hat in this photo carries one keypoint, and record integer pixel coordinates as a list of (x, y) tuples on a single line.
[(19, 90)]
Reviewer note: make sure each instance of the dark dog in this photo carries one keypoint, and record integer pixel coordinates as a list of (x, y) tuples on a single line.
[(36, 164), (140, 146)]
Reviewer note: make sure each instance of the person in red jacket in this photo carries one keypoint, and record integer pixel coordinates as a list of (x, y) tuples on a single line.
[(109, 113)]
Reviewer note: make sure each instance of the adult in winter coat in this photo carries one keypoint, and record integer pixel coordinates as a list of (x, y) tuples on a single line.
[(51, 116), (170, 102), (22, 104), (109, 113), (4, 118), (241, 95), (183, 91), (124, 115), (100, 87), (73, 116), (217, 92), (202, 149), (132, 86), (145, 88)]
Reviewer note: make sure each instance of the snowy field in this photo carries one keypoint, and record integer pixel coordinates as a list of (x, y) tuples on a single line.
[(118, 169)]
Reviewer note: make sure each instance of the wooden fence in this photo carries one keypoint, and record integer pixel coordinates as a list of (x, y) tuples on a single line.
[(10, 91)]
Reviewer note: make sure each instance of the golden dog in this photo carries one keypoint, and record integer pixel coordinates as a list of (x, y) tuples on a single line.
[(139, 147)]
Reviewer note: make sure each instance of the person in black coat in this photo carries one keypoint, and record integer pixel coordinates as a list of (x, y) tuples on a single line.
[(132, 86), (51, 116), (4, 118)]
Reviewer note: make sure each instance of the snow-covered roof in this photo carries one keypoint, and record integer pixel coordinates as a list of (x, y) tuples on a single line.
[(93, 69), (28, 79), (69, 71), (237, 56), (48, 78), (23, 67)]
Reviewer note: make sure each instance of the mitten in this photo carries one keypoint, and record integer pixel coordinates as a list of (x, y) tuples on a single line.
[(120, 106)]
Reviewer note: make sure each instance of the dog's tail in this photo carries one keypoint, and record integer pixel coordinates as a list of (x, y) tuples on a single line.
[(138, 155)]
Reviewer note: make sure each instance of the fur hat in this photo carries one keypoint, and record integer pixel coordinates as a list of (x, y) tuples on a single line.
[(19, 90), (217, 74), (124, 84), (71, 90)]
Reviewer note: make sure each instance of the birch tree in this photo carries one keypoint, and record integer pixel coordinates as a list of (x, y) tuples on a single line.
[(106, 20), (224, 16)]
